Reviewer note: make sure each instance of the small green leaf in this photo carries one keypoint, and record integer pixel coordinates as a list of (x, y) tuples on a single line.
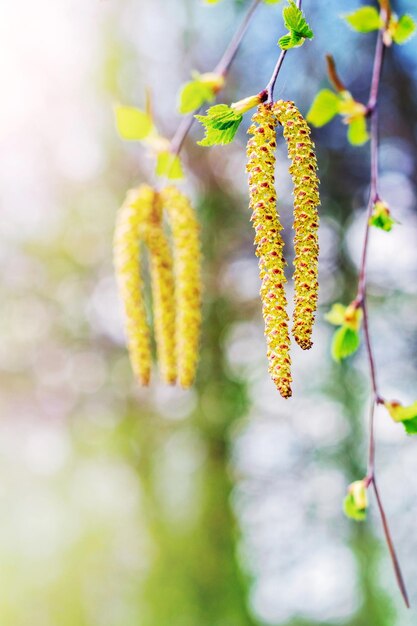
[(404, 30), (405, 414), (297, 26), (132, 124), (295, 21), (325, 106), (365, 19), (220, 124), (345, 342), (336, 315), (381, 217), (272, 1), (292, 40), (193, 95), (169, 165), (355, 503), (357, 131)]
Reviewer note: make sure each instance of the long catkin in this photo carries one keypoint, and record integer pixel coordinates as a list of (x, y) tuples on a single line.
[(306, 220), (187, 269), (162, 284), (128, 275), (269, 245)]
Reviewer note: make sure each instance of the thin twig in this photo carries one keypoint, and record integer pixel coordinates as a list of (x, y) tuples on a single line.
[(271, 84), (361, 300), (390, 544), (221, 68)]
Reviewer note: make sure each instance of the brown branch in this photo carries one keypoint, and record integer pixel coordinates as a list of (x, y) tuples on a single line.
[(361, 298), (222, 68)]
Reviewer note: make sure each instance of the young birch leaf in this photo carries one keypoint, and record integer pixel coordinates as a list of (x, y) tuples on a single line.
[(355, 503), (345, 342), (193, 95), (336, 315), (357, 131), (295, 21), (364, 20), (292, 40), (405, 414), (132, 124), (381, 217), (404, 30), (169, 165), (297, 26), (220, 125), (325, 106)]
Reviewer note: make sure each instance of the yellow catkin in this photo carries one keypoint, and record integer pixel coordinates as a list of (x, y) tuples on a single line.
[(162, 282), (126, 261), (306, 220), (269, 245), (187, 266)]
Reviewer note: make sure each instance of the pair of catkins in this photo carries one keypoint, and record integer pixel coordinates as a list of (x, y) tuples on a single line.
[(261, 151), (174, 267), (176, 284)]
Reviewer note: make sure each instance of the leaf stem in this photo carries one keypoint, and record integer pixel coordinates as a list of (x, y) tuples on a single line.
[(361, 299)]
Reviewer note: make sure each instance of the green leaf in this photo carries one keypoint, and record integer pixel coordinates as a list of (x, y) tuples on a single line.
[(355, 503), (169, 165), (132, 124), (364, 20), (357, 131), (220, 124), (297, 26), (404, 30), (295, 21), (193, 95), (345, 342), (405, 414), (272, 1), (325, 106), (352, 511), (292, 40), (336, 315), (381, 217)]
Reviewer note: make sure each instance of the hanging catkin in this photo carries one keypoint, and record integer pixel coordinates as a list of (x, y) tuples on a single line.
[(187, 266), (269, 245), (306, 221), (126, 261), (162, 283)]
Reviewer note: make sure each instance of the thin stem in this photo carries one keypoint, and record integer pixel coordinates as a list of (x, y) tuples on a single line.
[(271, 84), (232, 49), (221, 68), (390, 544), (361, 299)]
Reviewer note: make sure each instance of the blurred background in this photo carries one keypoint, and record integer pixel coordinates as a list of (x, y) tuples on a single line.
[(219, 506)]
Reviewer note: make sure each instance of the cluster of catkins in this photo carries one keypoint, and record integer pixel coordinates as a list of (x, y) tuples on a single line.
[(261, 151), (175, 282)]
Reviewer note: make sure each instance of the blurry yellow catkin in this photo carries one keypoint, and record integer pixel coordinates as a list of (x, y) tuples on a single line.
[(187, 267), (128, 275), (140, 219), (269, 245), (162, 283), (306, 221)]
